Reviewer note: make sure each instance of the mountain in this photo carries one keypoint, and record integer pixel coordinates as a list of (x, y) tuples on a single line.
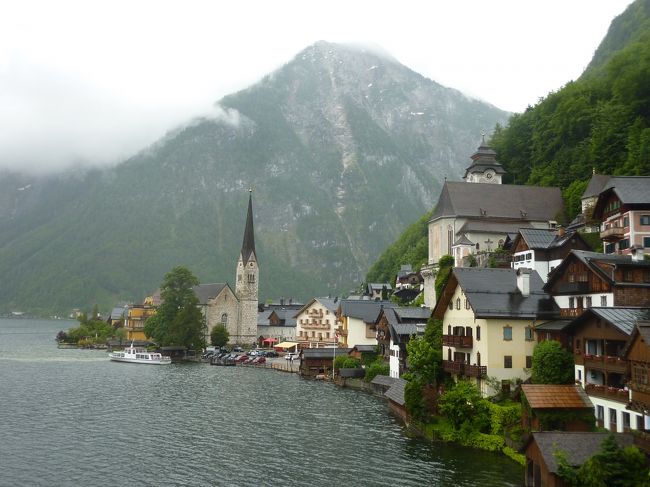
[(599, 122), (342, 146)]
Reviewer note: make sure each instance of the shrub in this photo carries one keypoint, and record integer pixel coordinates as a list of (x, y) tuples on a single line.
[(346, 362), (378, 367)]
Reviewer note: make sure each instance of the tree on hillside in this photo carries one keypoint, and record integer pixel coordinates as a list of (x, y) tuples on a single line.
[(552, 364), (445, 264), (219, 336), (178, 320)]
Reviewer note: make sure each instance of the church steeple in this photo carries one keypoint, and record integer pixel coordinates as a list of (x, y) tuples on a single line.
[(485, 168), (248, 245)]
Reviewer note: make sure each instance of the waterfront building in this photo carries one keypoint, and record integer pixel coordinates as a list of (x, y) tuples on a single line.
[(316, 323), (546, 404), (600, 336), (277, 322), (478, 214), (135, 316), (637, 354), (319, 362), (623, 207), (358, 321), (489, 318), (585, 279), (395, 327)]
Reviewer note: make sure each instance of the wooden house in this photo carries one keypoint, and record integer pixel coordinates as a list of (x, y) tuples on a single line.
[(316, 362), (637, 354), (545, 405)]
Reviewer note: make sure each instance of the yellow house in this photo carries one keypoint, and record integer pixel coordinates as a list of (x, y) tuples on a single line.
[(489, 317), (135, 317)]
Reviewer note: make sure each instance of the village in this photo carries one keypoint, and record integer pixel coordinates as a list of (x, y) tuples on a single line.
[(513, 279)]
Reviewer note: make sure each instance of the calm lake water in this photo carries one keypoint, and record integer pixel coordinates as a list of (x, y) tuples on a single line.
[(72, 417)]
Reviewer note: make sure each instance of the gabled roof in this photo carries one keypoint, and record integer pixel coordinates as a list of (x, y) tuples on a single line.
[(554, 325), (364, 348), (367, 311), (577, 446), (462, 240), (592, 261), (493, 293), (621, 318), (405, 270), (383, 380), (642, 328), (208, 291), (406, 313), (631, 190), (525, 203), (595, 185), (118, 313), (263, 317), (329, 303), (378, 286), (547, 396), (544, 239)]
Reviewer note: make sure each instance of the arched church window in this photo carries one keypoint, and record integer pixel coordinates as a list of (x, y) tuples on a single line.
[(251, 278), (224, 318)]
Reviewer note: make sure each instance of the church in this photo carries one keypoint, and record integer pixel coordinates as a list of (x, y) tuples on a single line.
[(478, 214), (237, 309)]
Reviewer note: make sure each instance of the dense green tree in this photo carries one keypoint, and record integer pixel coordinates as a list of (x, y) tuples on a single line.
[(178, 320), (552, 364), (219, 335), (445, 264), (463, 404)]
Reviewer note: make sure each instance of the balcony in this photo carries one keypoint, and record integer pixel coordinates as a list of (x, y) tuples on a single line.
[(316, 326), (457, 341), (612, 393), (602, 362), (466, 370), (612, 234), (571, 312), (342, 331)]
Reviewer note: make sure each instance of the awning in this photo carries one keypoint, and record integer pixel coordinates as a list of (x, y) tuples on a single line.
[(286, 345), (269, 340)]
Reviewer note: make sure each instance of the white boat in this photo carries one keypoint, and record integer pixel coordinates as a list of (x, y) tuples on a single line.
[(137, 355)]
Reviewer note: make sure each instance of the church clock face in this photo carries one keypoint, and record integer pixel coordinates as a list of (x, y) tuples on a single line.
[(489, 175)]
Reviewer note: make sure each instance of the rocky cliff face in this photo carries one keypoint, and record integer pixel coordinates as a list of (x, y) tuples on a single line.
[(343, 148)]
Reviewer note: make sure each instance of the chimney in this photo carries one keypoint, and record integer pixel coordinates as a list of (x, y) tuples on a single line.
[(561, 231), (523, 281), (281, 301), (637, 253)]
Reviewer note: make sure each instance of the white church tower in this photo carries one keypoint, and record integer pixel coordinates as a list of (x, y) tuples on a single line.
[(246, 285), (485, 168)]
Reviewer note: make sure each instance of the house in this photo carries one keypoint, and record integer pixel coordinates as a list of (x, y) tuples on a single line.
[(379, 291), (316, 323), (555, 330), (477, 215), (488, 319), (623, 207), (319, 361), (358, 321), (578, 447), (637, 354), (395, 327), (584, 221), (117, 316), (543, 249), (359, 351), (585, 279), (545, 403), (396, 401), (599, 339), (135, 316), (408, 284), (277, 322)]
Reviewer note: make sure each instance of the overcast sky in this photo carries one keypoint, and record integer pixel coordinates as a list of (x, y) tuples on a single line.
[(92, 82)]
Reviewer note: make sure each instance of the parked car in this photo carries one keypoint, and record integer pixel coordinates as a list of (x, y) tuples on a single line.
[(241, 358), (271, 353), (237, 349), (291, 356)]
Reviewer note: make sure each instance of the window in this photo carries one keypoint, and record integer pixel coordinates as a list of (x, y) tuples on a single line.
[(466, 303), (623, 244), (572, 302), (451, 304), (626, 421), (600, 413), (580, 375), (450, 239), (646, 242), (507, 361), (478, 333), (529, 361), (251, 278), (628, 276), (327, 335), (603, 300), (505, 387), (626, 221), (588, 301), (224, 318), (610, 248), (645, 219), (457, 303), (612, 416), (507, 332), (529, 333)]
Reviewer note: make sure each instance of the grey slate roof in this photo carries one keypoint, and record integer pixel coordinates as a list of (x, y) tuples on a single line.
[(367, 311), (595, 185), (494, 293), (396, 392), (518, 202), (383, 380), (622, 318), (405, 270), (484, 158), (481, 226), (378, 286), (542, 238), (323, 353), (413, 313), (364, 348), (578, 446), (555, 325), (118, 313), (463, 240), (208, 291), (263, 317), (631, 190)]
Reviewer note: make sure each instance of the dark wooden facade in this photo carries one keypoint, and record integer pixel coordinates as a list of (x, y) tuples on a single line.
[(638, 356), (537, 472)]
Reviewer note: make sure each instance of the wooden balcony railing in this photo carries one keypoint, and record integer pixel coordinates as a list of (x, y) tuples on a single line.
[(612, 233), (452, 367), (475, 371), (457, 341), (571, 312), (466, 370), (612, 393), (608, 363)]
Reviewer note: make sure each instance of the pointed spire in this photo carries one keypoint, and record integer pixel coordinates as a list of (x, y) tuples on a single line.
[(248, 245)]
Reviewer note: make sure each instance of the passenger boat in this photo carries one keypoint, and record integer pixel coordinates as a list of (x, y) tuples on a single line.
[(137, 355)]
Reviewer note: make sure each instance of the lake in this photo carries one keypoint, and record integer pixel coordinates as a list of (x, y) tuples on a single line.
[(72, 417)]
